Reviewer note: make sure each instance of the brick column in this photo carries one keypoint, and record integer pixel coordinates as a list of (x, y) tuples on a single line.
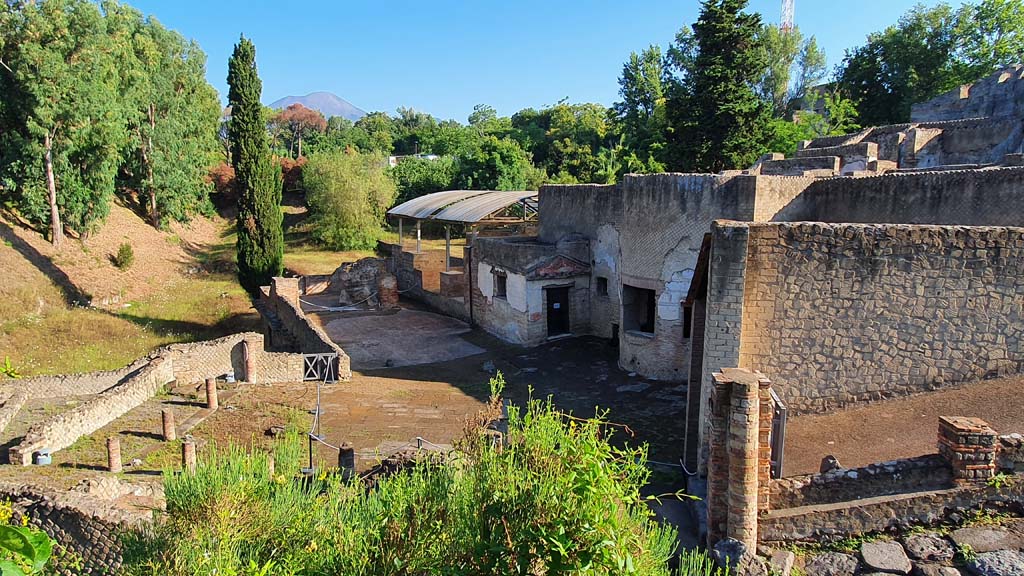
[(114, 454), (969, 444), (744, 455), (211, 394), (718, 459), (250, 348), (764, 444), (167, 421)]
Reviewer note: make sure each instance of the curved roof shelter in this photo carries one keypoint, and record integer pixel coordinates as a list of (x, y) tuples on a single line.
[(470, 207)]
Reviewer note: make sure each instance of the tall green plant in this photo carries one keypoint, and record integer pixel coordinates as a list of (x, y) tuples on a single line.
[(555, 498), (260, 235)]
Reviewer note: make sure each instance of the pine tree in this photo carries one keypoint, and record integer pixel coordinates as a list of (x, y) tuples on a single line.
[(260, 237), (718, 121)]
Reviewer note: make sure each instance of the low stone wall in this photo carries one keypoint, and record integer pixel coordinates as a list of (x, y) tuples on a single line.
[(182, 362), (1011, 453), (883, 513), (282, 301), (11, 406), (62, 430), (64, 385), (919, 474), (84, 525)]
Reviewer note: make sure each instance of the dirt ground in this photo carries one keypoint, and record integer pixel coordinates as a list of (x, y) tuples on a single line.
[(900, 428)]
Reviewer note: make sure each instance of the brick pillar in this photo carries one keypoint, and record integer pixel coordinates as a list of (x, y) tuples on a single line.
[(167, 418), (287, 289), (744, 455), (718, 460), (969, 444), (249, 350), (387, 291), (211, 394), (188, 456), (766, 415), (114, 454)]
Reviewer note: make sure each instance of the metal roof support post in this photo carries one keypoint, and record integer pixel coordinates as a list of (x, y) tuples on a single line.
[(447, 248), (400, 220), (418, 246)]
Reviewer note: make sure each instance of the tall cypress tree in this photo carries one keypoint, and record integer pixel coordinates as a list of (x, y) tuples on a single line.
[(718, 121), (260, 237)]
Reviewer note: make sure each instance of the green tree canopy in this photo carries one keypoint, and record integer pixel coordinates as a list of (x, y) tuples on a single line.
[(716, 119), (260, 236), (348, 194)]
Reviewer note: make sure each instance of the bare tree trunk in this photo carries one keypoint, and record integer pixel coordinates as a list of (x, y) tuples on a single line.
[(300, 147), (56, 229), (148, 158)]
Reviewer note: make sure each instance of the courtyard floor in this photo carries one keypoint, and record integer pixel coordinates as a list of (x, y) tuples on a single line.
[(900, 428)]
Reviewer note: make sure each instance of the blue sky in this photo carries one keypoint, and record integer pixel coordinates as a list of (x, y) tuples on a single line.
[(445, 56)]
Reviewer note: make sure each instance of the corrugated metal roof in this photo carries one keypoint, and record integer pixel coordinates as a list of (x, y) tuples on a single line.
[(423, 207), (461, 206)]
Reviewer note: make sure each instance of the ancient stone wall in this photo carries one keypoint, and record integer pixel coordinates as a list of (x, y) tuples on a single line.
[(999, 94), (882, 513), (838, 314), (283, 302), (924, 473), (64, 385), (989, 197), (87, 527), (11, 406), (183, 362)]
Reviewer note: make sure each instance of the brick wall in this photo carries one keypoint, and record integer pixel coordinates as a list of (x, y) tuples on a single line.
[(307, 337), (837, 314), (63, 385)]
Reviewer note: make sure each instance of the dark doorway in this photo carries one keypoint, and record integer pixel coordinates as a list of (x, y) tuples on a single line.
[(558, 311)]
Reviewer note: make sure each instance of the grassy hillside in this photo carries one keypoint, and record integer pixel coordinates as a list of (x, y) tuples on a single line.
[(74, 310)]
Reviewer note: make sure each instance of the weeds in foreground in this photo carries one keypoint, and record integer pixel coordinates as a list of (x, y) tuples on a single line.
[(554, 498)]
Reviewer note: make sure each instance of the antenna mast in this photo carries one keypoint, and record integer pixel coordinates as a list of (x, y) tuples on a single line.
[(788, 10)]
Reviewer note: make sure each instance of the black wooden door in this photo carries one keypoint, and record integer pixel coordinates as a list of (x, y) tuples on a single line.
[(558, 311)]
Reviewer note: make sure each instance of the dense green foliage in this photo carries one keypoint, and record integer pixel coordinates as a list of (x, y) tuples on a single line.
[(99, 101), (348, 194), (718, 121), (929, 51), (556, 499), (258, 179)]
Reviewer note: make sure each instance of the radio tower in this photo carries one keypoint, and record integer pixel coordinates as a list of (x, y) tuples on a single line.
[(786, 25)]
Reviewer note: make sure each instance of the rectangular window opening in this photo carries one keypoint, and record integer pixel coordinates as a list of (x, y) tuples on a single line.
[(638, 309), (687, 321), (500, 284), (602, 286)]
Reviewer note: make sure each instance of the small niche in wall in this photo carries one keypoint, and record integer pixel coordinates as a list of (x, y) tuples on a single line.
[(687, 321), (602, 286), (638, 309), (500, 284)]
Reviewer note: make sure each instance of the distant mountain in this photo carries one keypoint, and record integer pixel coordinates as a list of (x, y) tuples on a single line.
[(328, 104)]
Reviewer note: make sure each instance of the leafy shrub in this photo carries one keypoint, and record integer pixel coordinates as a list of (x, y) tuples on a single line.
[(556, 498), (348, 196), (23, 550), (125, 256)]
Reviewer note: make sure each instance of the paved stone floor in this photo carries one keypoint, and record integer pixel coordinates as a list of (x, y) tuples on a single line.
[(899, 428)]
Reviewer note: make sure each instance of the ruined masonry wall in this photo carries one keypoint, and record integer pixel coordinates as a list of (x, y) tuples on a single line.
[(838, 314), (989, 197), (83, 524), (183, 362), (63, 385), (283, 299)]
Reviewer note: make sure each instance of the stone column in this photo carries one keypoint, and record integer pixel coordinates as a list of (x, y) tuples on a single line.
[(114, 455), (188, 456), (167, 417), (743, 460), (211, 394), (387, 291), (969, 444), (718, 460)]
